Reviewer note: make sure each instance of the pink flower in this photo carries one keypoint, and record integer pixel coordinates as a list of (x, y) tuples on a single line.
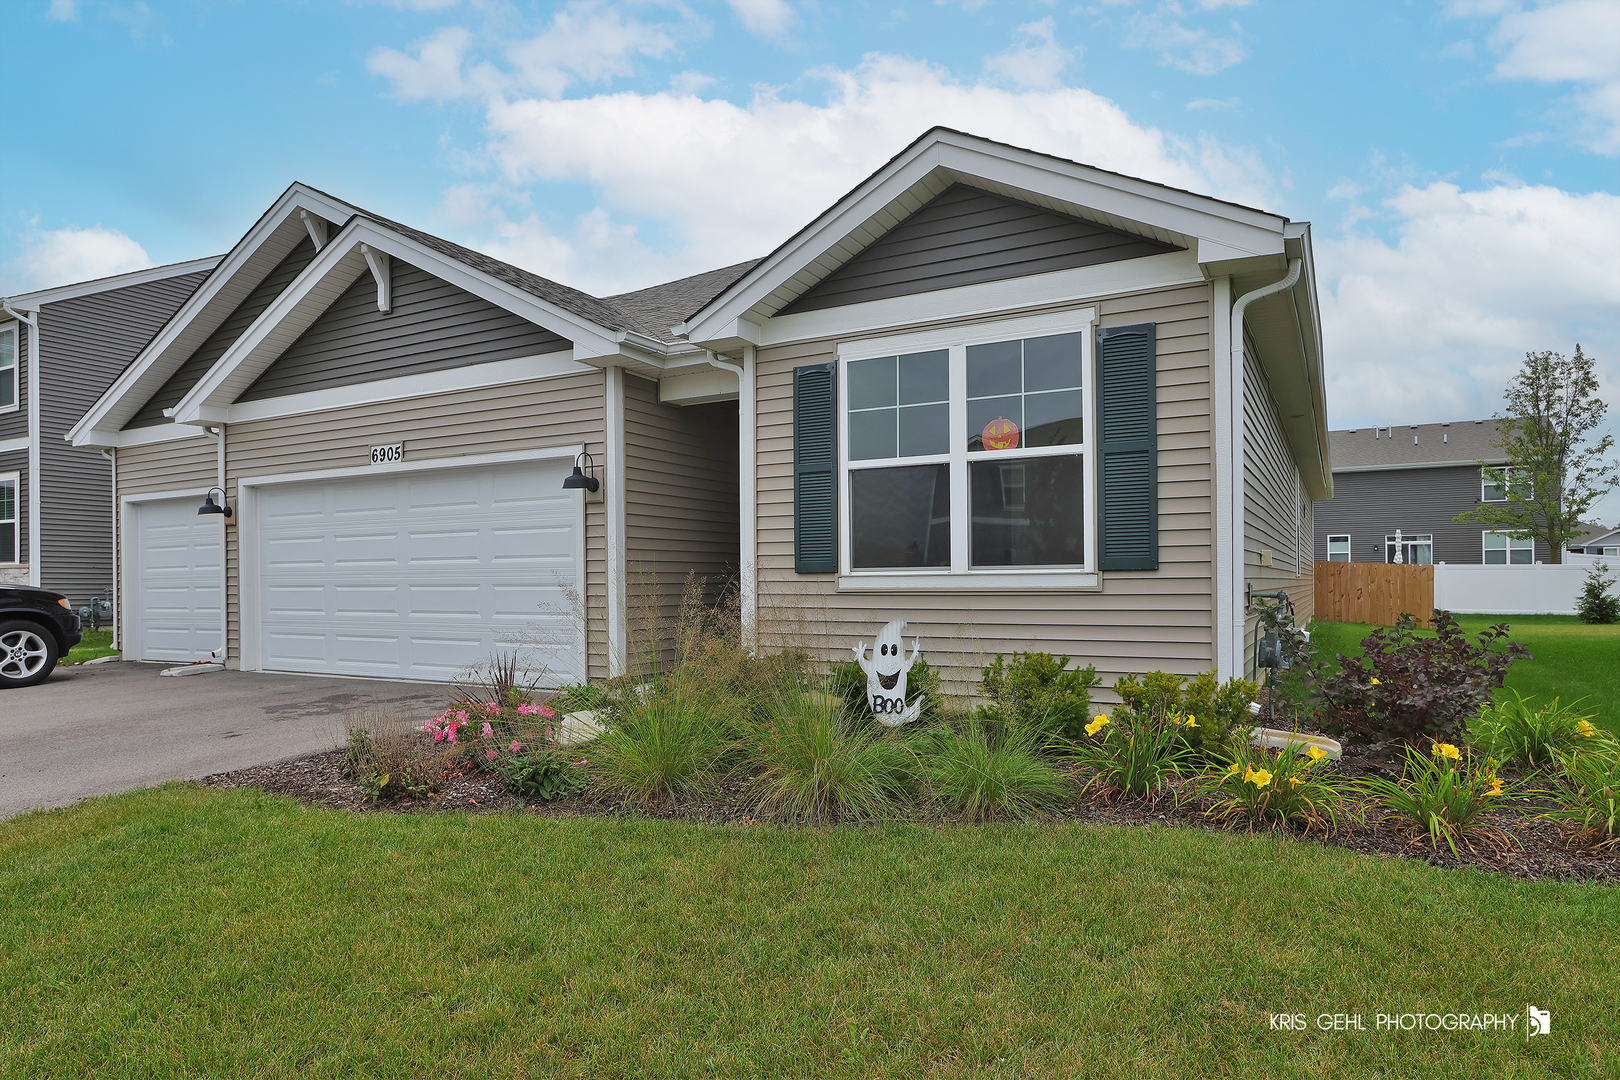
[(489, 732), (515, 747), (461, 714), (491, 755), (491, 707), (438, 736)]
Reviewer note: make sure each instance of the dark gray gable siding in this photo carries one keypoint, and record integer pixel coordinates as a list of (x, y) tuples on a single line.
[(965, 236), (198, 363), (14, 424), (1368, 506), (433, 326), (87, 341)]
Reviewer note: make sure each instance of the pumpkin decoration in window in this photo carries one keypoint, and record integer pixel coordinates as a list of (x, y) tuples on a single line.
[(1000, 434)]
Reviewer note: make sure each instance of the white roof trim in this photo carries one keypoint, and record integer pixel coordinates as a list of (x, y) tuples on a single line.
[(31, 301), (327, 276), (173, 345), (945, 157)]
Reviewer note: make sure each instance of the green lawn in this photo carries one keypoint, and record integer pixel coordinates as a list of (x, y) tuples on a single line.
[(96, 643), (183, 932), (1572, 659)]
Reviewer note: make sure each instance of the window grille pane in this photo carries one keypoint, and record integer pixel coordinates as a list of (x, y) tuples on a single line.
[(925, 377), (872, 434), (1052, 363), (925, 429)]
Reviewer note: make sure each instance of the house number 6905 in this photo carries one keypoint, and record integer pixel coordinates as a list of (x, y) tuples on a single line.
[(387, 455)]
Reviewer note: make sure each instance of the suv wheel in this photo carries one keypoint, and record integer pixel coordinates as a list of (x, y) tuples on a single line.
[(27, 654)]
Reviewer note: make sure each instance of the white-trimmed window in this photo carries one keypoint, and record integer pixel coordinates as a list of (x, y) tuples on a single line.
[(1339, 548), (1489, 492), (1503, 550), (966, 454), (8, 519), (1415, 549), (8, 369)]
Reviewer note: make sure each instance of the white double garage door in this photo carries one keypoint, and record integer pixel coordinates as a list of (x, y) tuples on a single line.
[(408, 573)]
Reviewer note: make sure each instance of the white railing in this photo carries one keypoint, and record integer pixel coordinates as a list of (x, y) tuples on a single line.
[(1515, 590)]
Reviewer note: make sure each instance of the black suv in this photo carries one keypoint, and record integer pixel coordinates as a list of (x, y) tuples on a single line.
[(36, 627)]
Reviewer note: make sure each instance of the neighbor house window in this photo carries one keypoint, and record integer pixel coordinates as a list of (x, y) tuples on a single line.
[(8, 368), (1339, 548), (967, 451), (1502, 550), (1415, 550), (8, 518), (1489, 492)]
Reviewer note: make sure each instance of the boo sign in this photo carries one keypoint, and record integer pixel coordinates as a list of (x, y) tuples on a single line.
[(886, 675)]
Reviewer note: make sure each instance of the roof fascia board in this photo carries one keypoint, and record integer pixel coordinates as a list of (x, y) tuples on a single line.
[(1236, 229), (32, 301), (339, 264), (1419, 465), (133, 378)]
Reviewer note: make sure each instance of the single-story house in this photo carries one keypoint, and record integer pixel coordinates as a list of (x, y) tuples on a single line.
[(1596, 539), (1020, 402), (1396, 490), (59, 349)]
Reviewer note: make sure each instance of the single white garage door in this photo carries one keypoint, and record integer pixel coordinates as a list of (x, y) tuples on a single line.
[(176, 579), (419, 575)]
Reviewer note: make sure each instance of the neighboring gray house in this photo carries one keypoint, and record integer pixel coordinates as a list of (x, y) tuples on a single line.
[(70, 342), (1412, 479), (1596, 540)]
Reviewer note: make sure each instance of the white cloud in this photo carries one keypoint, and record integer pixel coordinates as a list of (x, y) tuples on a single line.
[(767, 18), (67, 256), (1576, 41), (690, 82), (769, 166), (434, 72), (1195, 50), (63, 11), (1214, 103), (1431, 327), (1038, 60)]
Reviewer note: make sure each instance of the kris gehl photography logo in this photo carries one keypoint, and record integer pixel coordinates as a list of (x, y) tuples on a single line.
[(1534, 1022)]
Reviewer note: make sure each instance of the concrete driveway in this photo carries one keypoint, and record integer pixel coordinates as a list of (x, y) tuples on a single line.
[(101, 728)]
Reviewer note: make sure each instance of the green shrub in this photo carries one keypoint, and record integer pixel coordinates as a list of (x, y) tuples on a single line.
[(986, 779), (1443, 792), (1216, 710), (544, 774), (1280, 786), (1038, 694), (1512, 730), (817, 765), (1588, 791), (847, 683), (661, 749), (1597, 604), (1131, 753)]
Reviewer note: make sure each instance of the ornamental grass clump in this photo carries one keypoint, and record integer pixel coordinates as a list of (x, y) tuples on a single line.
[(985, 778), (664, 746), (389, 760), (1587, 786), (1281, 787), (1515, 731), (1131, 753), (1444, 792), (815, 764)]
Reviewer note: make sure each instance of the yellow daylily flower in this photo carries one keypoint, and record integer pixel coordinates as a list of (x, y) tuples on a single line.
[(1586, 729), (1375, 682), (1496, 786), (1446, 750), (1316, 753), (1192, 721), (1296, 780), (1232, 771), (1096, 725), (1258, 777)]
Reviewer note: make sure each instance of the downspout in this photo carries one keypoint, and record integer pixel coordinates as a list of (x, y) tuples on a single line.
[(618, 652), (217, 433), (1233, 570), (33, 436), (747, 539), (111, 454)]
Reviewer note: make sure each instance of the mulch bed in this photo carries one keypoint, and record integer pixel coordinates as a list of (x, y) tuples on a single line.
[(1535, 849)]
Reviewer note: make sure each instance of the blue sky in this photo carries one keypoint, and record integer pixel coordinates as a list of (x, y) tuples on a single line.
[(1460, 162)]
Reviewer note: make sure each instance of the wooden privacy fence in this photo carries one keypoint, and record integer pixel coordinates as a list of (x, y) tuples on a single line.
[(1377, 593)]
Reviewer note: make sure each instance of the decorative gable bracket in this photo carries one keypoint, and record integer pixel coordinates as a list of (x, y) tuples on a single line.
[(382, 272), (316, 226)]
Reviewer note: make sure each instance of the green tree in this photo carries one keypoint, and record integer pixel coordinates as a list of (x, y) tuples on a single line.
[(1557, 473)]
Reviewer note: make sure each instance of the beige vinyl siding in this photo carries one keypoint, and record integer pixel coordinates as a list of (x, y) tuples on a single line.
[(681, 507), (1275, 507), (1138, 621)]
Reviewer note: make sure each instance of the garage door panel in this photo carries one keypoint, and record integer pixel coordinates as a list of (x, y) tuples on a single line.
[(418, 575), (176, 581)]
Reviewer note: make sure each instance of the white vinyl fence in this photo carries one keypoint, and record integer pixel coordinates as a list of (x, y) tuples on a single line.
[(1516, 590)]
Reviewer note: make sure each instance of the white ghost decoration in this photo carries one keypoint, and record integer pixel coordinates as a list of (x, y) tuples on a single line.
[(886, 676)]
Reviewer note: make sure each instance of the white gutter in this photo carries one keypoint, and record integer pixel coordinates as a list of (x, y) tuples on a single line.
[(33, 436), (1231, 575), (747, 538)]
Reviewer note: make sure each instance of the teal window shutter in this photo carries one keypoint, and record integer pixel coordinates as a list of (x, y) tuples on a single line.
[(815, 468), (1128, 449)]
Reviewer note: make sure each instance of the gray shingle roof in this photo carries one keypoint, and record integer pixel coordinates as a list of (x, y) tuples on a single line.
[(1406, 445), (663, 306)]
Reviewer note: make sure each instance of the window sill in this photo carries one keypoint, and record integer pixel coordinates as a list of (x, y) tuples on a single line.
[(972, 581)]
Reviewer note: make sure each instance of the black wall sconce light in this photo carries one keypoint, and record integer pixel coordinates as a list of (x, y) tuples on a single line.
[(209, 506), (579, 479)]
